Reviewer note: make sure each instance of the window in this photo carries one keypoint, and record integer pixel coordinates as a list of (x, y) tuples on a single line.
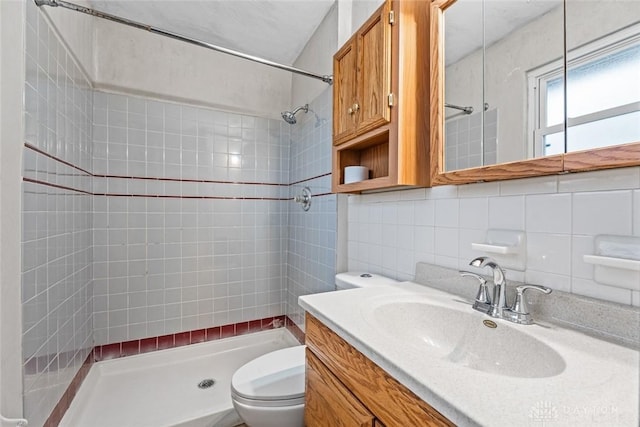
[(603, 97)]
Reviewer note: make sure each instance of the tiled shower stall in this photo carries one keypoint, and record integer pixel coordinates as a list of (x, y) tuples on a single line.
[(144, 217)]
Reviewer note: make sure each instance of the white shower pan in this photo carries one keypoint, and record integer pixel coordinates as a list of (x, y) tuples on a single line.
[(160, 389)]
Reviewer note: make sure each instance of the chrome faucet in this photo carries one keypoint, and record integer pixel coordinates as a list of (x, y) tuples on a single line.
[(498, 306), (499, 303)]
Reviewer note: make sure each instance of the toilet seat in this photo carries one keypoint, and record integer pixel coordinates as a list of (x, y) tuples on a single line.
[(273, 379)]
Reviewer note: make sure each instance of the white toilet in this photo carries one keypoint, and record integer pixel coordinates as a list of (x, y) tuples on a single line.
[(269, 390)]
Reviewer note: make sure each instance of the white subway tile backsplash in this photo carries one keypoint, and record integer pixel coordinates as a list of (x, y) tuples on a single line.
[(446, 213), (560, 226), (424, 239), (610, 179), (474, 213), (440, 192), (607, 212), (549, 252), (484, 189), (554, 281), (466, 238), (592, 289), (580, 246), (507, 212), (424, 212), (549, 213), (636, 213), (446, 242), (539, 185)]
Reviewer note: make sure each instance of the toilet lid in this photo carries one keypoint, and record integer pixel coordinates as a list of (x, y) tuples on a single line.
[(278, 375)]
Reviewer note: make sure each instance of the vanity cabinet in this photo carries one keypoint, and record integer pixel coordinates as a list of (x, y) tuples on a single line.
[(345, 388), (381, 100)]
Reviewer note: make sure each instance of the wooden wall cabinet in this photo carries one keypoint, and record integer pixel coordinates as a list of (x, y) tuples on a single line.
[(345, 388), (381, 100), (362, 79)]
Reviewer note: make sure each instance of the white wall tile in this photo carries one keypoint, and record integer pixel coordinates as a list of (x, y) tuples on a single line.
[(507, 212), (594, 290), (610, 179), (582, 245), (446, 242), (549, 252), (560, 227), (442, 192), (549, 213), (447, 212), (602, 213), (424, 212), (484, 189), (538, 185), (474, 213), (636, 213), (57, 235), (554, 281)]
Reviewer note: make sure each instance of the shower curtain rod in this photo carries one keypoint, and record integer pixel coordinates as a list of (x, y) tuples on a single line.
[(466, 110), (151, 29)]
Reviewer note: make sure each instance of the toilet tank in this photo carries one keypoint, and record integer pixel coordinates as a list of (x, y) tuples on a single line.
[(361, 279)]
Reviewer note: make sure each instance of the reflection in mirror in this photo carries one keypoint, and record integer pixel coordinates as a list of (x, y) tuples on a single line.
[(491, 49), (603, 74), (464, 36)]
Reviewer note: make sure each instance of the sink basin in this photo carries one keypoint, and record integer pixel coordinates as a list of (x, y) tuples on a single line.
[(461, 336)]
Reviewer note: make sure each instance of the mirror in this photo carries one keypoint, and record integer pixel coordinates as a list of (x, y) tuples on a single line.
[(500, 92), (603, 74)]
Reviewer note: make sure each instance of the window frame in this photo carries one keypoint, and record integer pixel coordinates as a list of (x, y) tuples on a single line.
[(538, 78)]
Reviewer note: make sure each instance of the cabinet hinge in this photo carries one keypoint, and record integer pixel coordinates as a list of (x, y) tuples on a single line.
[(392, 17), (390, 98)]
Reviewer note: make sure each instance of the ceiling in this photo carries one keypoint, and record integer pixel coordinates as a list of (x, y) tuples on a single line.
[(276, 30)]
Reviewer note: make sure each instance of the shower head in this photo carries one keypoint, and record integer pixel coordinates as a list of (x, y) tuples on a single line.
[(290, 116)]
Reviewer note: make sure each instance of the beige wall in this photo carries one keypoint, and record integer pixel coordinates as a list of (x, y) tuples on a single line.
[(317, 56), (137, 62), (12, 19)]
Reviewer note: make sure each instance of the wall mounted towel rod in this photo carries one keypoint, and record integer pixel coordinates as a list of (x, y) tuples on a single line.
[(151, 29)]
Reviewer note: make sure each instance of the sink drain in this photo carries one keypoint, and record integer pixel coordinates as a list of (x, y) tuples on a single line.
[(206, 383)]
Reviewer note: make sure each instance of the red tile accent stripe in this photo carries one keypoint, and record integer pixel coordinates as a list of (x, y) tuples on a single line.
[(146, 345), (310, 179), (149, 178), (65, 401), (57, 159), (202, 181), (62, 187), (294, 329), (205, 181)]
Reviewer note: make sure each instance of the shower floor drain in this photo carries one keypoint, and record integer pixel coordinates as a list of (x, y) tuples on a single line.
[(206, 383)]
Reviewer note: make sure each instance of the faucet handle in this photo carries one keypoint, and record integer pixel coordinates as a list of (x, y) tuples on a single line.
[(519, 311), (483, 300)]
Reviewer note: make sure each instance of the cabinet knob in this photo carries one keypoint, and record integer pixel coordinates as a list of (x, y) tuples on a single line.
[(355, 107), (350, 111)]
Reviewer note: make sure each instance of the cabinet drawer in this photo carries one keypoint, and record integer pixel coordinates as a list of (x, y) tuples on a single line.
[(328, 403)]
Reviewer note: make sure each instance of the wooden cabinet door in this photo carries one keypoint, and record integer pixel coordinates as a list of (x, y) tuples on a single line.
[(344, 90), (374, 71), (328, 403)]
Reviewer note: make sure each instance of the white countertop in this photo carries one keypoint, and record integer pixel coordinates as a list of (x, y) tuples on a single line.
[(598, 387)]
